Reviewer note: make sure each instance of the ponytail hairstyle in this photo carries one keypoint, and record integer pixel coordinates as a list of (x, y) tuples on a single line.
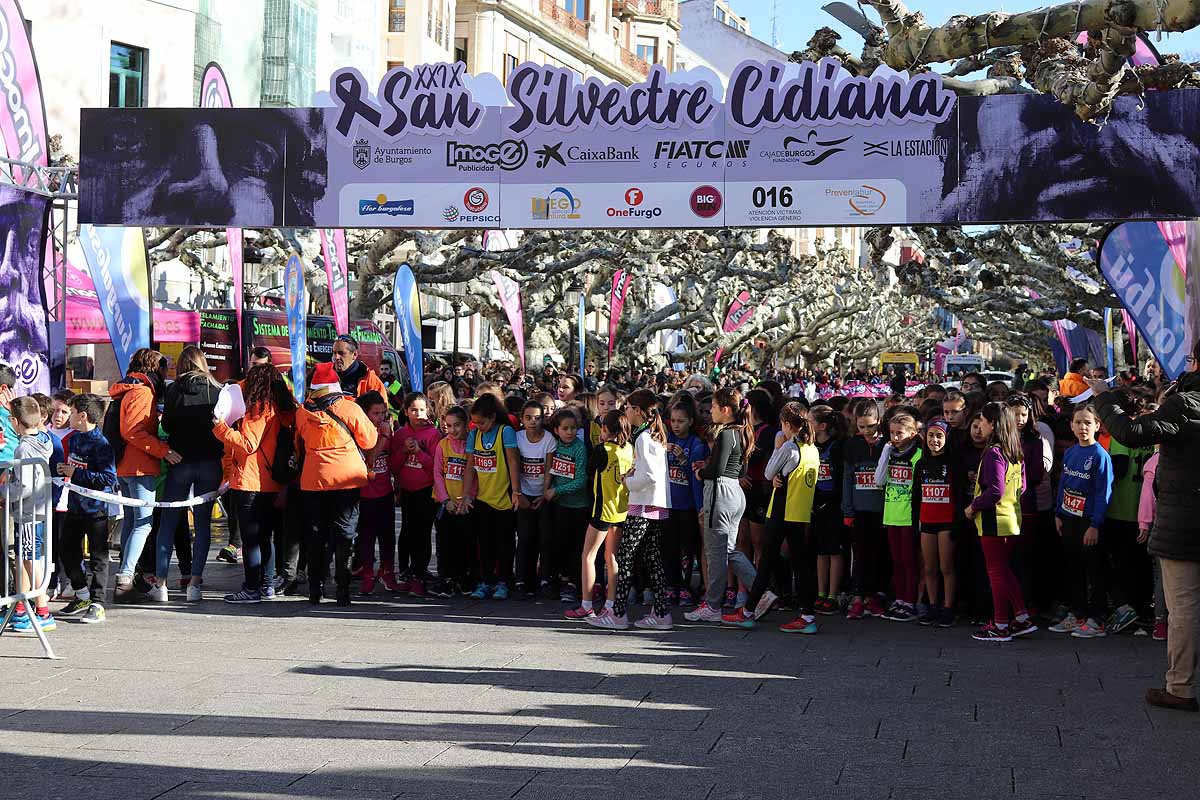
[(762, 403), (825, 415), (732, 399), (645, 401), (617, 426), (1005, 435), (795, 415)]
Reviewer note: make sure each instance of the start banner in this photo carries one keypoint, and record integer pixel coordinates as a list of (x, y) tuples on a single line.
[(783, 144)]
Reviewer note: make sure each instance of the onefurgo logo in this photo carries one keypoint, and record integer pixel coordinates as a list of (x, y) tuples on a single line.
[(634, 196)]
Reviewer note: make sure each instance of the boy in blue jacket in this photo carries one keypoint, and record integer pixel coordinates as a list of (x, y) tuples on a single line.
[(1083, 496), (88, 463)]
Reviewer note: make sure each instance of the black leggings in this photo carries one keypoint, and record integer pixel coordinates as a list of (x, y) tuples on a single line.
[(417, 510), (457, 558), (640, 536), (680, 540), (1084, 572), (800, 561), (534, 556), (568, 528), (494, 527), (94, 528)]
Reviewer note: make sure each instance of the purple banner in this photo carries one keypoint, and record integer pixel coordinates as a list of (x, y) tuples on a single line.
[(509, 292), (24, 343), (616, 304), (333, 251), (23, 113)]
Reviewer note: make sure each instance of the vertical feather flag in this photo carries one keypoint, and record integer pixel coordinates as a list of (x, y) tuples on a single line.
[(408, 316)]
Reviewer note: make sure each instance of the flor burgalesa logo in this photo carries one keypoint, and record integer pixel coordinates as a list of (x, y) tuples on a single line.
[(381, 205), (558, 204)]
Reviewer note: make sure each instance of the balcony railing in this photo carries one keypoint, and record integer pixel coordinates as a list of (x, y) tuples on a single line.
[(563, 19), (668, 9), (631, 60)]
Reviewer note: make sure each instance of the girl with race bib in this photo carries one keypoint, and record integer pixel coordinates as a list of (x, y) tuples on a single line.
[(533, 521), (412, 464), (681, 539), (829, 537), (569, 500), (456, 540), (933, 514), (493, 476), (862, 512), (895, 476)]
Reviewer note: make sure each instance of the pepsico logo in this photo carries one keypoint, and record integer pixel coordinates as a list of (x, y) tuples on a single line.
[(476, 199), (706, 201)]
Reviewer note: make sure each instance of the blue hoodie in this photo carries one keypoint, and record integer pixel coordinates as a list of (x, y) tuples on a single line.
[(687, 491), (1086, 485), (9, 445), (92, 456)]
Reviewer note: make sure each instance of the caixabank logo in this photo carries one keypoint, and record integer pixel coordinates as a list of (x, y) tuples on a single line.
[(633, 208), (381, 205)]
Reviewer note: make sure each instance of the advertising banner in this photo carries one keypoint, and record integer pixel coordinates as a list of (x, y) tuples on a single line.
[(85, 321), (407, 302), (234, 242), (24, 342), (269, 329), (23, 112), (1137, 262), (218, 338), (784, 144), (296, 300), (509, 292), (740, 312), (214, 89), (1110, 341), (616, 304), (333, 251), (116, 259)]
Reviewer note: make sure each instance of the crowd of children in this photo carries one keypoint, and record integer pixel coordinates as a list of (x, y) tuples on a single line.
[(931, 509)]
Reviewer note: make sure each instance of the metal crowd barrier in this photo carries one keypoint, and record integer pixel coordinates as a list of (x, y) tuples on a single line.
[(26, 523)]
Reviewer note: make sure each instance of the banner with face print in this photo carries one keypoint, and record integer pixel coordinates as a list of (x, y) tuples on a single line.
[(116, 259), (616, 304), (24, 342), (296, 302), (333, 251)]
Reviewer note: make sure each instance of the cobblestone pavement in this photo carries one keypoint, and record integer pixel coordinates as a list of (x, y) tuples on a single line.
[(406, 698)]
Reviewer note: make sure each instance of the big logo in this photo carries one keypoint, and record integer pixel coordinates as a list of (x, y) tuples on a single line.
[(508, 155), (706, 201)]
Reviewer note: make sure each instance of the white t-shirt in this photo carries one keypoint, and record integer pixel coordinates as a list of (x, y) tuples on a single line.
[(534, 461)]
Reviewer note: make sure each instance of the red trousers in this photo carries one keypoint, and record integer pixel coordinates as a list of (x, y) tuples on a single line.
[(905, 572), (1006, 589)]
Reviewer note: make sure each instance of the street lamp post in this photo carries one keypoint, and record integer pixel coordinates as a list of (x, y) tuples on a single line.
[(456, 306)]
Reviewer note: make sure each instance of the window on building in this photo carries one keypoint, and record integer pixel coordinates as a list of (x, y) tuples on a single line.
[(396, 15), (515, 52), (126, 76), (460, 49), (720, 14), (616, 33), (670, 62), (647, 49), (391, 65), (576, 8)]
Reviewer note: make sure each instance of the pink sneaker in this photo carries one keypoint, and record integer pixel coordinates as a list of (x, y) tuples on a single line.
[(874, 608), (1160, 632), (579, 613), (857, 609), (416, 587), (388, 579)]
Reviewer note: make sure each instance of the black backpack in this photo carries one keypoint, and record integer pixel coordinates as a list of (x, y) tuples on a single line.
[(111, 428), (288, 462)]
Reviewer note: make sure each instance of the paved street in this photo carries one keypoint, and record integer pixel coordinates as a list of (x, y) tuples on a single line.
[(440, 699)]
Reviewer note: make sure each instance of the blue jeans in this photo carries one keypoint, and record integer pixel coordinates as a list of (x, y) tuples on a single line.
[(200, 477), (135, 527)]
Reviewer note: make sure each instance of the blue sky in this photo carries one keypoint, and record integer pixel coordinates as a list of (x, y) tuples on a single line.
[(799, 18)]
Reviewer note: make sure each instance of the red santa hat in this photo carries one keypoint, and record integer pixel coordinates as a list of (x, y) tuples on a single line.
[(325, 380)]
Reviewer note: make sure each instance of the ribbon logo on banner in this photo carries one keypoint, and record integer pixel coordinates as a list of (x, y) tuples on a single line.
[(116, 259), (296, 300), (1136, 260), (214, 89), (740, 312), (510, 300), (408, 316), (333, 251), (582, 329), (616, 304)]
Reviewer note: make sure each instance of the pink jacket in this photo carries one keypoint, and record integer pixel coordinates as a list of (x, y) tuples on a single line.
[(1146, 506), (414, 472)]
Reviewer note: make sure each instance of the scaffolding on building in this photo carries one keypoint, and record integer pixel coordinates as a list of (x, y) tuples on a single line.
[(289, 53)]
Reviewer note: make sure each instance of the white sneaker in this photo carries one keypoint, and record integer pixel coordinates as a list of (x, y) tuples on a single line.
[(703, 613), (764, 604), (608, 619), (1068, 624), (158, 593), (652, 623), (194, 593)]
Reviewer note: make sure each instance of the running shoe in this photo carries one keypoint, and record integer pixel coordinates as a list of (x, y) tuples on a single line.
[(651, 622), (1065, 625), (1159, 635), (1122, 618), (992, 633), (739, 617), (443, 590), (703, 613), (730, 599), (22, 623), (244, 597), (946, 618), (579, 613), (501, 592), (94, 614), (931, 616), (194, 593), (764, 604), (857, 609), (827, 607), (568, 594), (875, 607), (801, 624), (672, 597), (686, 599), (79, 606), (481, 592), (267, 592), (1091, 629), (900, 612), (1018, 628), (229, 554), (609, 620), (388, 579)]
